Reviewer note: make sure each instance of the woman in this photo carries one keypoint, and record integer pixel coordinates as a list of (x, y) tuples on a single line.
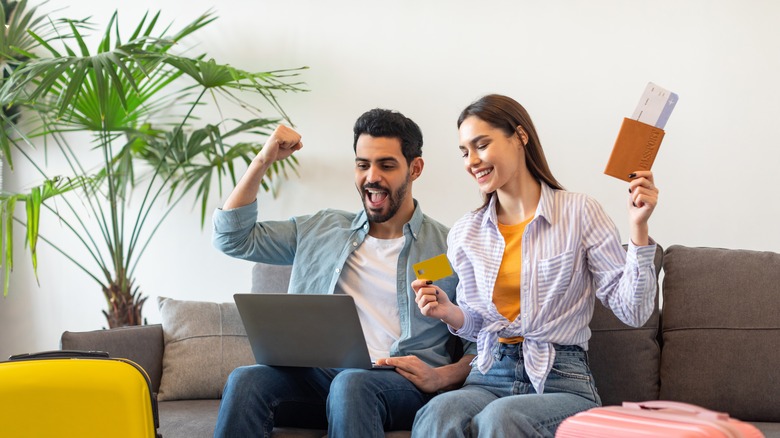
[(531, 261)]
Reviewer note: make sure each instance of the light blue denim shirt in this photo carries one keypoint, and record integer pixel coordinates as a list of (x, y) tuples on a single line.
[(317, 247)]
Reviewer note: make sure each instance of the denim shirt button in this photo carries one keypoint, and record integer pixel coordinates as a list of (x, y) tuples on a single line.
[(338, 270), (354, 243)]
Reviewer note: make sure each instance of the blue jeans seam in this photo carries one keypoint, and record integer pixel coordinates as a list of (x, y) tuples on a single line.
[(269, 423), (581, 377)]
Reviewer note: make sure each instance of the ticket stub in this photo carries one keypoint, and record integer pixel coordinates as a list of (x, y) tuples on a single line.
[(655, 106)]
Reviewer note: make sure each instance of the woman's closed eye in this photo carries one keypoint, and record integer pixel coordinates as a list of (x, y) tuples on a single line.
[(480, 147)]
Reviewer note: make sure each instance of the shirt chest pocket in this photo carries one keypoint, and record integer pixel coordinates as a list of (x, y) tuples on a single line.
[(553, 276)]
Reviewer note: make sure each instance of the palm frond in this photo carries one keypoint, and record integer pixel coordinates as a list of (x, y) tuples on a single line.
[(7, 208), (33, 201), (15, 42), (211, 75), (139, 103)]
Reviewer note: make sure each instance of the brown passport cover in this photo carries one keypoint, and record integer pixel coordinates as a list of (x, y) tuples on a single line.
[(635, 149)]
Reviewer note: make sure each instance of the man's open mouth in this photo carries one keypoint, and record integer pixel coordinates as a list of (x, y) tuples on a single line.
[(376, 196)]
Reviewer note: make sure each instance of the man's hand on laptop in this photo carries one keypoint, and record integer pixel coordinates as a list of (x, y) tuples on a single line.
[(422, 375)]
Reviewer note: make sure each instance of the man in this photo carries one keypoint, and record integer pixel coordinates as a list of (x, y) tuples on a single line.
[(367, 255)]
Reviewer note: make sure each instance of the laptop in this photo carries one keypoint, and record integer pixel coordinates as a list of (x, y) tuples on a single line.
[(304, 330)]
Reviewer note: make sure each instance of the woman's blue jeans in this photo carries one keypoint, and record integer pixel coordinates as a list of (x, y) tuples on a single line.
[(348, 402), (503, 403)]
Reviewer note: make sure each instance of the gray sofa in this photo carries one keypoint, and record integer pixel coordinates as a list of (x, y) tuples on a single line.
[(716, 344)]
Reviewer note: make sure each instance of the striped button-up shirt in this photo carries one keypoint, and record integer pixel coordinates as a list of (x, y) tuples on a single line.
[(571, 253)]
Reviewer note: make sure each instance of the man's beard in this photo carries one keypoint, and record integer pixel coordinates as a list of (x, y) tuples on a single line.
[(395, 200)]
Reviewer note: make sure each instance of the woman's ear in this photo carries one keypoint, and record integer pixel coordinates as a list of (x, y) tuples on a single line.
[(522, 134)]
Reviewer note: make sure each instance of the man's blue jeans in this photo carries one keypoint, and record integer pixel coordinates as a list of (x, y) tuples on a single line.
[(348, 402), (504, 403)]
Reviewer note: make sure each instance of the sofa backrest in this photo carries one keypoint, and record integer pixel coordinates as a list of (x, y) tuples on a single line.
[(270, 278), (624, 360), (124, 342), (721, 330)]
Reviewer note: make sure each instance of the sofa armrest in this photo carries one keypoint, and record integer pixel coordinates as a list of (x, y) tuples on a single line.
[(142, 344)]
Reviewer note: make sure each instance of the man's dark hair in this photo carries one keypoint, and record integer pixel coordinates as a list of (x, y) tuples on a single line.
[(391, 124)]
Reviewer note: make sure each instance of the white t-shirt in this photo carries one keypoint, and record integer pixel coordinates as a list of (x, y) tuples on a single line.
[(369, 276)]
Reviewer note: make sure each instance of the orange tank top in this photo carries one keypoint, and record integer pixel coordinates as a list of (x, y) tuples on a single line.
[(506, 292)]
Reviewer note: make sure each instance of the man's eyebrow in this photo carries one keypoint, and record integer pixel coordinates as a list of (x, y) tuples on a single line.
[(378, 160)]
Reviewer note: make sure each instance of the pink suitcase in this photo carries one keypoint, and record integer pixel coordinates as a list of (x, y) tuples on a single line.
[(654, 419)]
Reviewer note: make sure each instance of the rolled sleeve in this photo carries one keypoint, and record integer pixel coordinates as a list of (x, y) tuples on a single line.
[(640, 264), (468, 330), (231, 228), (226, 221), (642, 256)]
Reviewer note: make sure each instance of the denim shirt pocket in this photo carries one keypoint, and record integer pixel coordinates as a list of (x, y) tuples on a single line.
[(553, 276)]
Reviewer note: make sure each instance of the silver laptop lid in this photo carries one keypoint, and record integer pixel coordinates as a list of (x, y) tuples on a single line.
[(304, 330)]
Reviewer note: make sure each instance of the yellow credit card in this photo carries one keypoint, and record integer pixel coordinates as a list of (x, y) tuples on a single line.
[(433, 269)]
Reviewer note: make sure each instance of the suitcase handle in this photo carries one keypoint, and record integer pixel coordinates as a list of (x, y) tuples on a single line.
[(666, 412), (60, 354), (685, 407)]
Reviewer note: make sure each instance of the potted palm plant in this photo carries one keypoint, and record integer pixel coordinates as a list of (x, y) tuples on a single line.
[(128, 117)]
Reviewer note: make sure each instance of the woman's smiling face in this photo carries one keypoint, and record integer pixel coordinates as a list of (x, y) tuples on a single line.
[(491, 157)]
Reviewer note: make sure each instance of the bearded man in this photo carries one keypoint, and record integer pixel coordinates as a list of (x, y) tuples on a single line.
[(368, 255)]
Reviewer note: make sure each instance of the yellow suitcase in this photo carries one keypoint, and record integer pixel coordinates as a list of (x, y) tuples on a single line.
[(75, 394)]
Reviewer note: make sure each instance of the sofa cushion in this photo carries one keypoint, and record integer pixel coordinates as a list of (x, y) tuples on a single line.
[(143, 344), (270, 278), (204, 342), (625, 360), (188, 418), (721, 330), (197, 418)]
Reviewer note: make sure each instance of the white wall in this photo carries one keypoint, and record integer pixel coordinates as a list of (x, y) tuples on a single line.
[(578, 66)]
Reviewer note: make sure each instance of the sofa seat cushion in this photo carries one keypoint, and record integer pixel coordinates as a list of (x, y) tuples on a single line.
[(197, 418), (204, 342), (721, 330), (188, 418), (770, 430)]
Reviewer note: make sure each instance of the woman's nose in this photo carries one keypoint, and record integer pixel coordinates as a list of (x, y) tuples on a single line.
[(472, 159)]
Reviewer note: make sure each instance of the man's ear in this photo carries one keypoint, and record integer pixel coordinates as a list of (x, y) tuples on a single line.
[(522, 134), (416, 168)]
